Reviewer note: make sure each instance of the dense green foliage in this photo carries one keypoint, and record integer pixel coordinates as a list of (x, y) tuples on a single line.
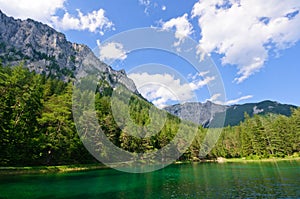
[(260, 137), (37, 127)]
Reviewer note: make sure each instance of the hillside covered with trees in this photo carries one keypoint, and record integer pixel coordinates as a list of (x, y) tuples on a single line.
[(37, 127)]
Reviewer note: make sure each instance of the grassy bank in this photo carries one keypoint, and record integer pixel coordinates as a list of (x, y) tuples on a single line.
[(233, 160), (237, 160), (49, 169), (86, 167)]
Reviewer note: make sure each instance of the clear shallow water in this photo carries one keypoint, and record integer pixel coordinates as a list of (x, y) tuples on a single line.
[(229, 180)]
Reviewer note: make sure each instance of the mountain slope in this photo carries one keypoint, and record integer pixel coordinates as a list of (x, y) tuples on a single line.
[(46, 51), (206, 113), (235, 114), (199, 113)]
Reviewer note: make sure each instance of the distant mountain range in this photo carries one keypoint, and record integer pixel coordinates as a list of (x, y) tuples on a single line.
[(207, 113), (44, 50)]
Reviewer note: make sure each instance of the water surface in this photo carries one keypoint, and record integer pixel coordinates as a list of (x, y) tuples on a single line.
[(206, 180)]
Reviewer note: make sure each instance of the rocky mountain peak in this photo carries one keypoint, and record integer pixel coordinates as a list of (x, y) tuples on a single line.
[(197, 112), (209, 113), (44, 50)]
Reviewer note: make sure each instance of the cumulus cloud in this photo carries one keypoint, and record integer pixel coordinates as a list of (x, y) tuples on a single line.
[(163, 8), (34, 9), (182, 26), (197, 84), (235, 101), (95, 22), (46, 11), (111, 51), (163, 88), (245, 32)]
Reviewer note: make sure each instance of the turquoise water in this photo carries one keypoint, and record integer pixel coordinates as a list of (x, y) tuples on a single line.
[(206, 180)]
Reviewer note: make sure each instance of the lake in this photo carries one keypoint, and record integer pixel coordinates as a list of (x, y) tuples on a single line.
[(197, 180)]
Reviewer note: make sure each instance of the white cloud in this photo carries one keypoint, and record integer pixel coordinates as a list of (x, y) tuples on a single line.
[(34, 9), (246, 31), (46, 11), (146, 4), (203, 73), (235, 101), (111, 51), (150, 6), (214, 98), (163, 88), (197, 84), (95, 22), (182, 26), (197, 75)]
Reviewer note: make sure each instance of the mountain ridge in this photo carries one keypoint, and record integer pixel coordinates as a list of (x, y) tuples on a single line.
[(46, 51), (208, 112)]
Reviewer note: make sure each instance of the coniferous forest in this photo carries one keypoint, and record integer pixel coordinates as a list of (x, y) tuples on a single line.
[(37, 127)]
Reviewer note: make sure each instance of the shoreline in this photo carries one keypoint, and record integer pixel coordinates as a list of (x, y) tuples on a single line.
[(237, 160), (50, 169), (90, 167), (221, 160)]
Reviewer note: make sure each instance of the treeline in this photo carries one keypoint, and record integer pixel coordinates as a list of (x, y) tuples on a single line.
[(37, 126), (259, 137)]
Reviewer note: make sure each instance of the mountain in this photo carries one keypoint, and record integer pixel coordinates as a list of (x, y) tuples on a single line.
[(199, 113), (44, 50), (208, 112)]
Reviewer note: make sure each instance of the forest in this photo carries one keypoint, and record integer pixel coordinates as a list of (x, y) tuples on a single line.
[(37, 126)]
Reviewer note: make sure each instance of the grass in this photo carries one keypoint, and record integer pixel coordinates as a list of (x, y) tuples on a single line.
[(294, 157), (86, 167), (49, 169), (233, 160)]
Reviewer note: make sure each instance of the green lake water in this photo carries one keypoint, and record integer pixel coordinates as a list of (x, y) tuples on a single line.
[(197, 180)]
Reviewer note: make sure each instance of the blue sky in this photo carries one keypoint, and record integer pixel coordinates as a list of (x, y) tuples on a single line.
[(254, 44)]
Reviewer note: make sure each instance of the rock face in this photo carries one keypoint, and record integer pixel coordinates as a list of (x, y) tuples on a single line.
[(46, 51), (209, 113), (199, 113)]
